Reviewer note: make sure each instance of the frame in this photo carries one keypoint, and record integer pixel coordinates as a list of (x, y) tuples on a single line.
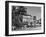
[(10, 7)]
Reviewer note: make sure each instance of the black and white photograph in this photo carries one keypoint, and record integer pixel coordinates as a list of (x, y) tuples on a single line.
[(25, 18)]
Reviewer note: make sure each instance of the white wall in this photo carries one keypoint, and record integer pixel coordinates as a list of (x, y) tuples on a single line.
[(2, 19)]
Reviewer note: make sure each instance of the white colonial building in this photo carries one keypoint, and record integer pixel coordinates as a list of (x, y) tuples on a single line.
[(27, 18)]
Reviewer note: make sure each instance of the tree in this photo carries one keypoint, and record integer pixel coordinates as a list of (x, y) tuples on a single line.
[(23, 10), (16, 15), (34, 18), (39, 21)]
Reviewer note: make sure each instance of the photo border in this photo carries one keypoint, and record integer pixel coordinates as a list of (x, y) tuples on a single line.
[(7, 17)]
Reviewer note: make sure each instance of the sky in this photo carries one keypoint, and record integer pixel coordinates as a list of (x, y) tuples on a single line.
[(34, 11)]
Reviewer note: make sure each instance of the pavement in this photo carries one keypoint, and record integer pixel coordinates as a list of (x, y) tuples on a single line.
[(29, 28)]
